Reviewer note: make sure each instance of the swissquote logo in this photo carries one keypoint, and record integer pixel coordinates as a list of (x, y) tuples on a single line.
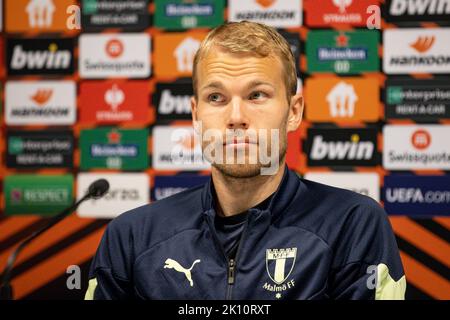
[(421, 139), (416, 51), (114, 48), (276, 13), (411, 147), (114, 101), (40, 102), (114, 55), (342, 147), (417, 10), (279, 265), (40, 56)]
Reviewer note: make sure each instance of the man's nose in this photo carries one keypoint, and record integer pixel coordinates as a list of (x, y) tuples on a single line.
[(237, 117)]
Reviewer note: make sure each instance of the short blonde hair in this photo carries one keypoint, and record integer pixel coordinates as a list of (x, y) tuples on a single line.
[(253, 38)]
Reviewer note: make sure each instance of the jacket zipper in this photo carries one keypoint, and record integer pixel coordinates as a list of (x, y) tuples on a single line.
[(231, 271), (231, 263)]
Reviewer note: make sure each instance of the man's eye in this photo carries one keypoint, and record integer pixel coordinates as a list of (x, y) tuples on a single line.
[(257, 95), (215, 97)]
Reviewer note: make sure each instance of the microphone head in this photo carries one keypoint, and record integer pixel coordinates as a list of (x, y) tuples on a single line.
[(98, 188)]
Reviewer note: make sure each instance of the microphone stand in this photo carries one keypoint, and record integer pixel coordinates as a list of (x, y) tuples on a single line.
[(95, 191)]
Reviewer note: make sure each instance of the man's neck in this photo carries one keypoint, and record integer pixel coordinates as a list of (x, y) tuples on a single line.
[(236, 195)]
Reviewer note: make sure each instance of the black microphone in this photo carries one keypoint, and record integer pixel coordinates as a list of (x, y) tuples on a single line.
[(96, 190)]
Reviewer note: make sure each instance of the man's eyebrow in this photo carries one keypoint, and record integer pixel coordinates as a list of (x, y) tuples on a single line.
[(213, 85), (256, 83), (251, 84)]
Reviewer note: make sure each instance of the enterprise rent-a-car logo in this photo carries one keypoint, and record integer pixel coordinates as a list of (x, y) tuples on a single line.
[(420, 100), (40, 149)]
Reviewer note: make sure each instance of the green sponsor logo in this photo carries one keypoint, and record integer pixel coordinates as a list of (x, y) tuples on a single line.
[(123, 149), (89, 6), (15, 145), (184, 14), (394, 95), (342, 52), (37, 194)]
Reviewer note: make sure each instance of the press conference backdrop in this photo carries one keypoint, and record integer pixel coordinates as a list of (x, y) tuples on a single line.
[(106, 99)]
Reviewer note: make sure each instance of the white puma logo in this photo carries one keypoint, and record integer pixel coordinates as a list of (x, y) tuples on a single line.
[(172, 264)]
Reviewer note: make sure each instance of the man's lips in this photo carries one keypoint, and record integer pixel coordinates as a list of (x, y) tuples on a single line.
[(239, 141)]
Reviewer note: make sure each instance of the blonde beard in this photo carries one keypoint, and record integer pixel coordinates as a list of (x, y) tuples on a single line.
[(247, 170)]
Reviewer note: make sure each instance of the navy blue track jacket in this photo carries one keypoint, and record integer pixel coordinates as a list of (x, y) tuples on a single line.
[(312, 242)]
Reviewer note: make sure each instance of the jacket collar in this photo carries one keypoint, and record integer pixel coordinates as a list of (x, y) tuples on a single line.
[(289, 188)]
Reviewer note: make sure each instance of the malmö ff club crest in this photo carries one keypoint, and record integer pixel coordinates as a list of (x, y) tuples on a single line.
[(279, 266)]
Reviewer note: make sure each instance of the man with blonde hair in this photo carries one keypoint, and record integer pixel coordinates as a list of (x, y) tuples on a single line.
[(255, 230)]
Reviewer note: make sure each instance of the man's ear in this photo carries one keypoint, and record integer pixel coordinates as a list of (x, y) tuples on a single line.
[(194, 114), (295, 112)]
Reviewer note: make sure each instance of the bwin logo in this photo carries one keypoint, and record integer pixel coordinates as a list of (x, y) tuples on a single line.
[(174, 104), (419, 7), (51, 58), (339, 150)]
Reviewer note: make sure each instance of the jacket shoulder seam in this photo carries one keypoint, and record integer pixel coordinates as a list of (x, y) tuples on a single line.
[(115, 275), (159, 242)]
